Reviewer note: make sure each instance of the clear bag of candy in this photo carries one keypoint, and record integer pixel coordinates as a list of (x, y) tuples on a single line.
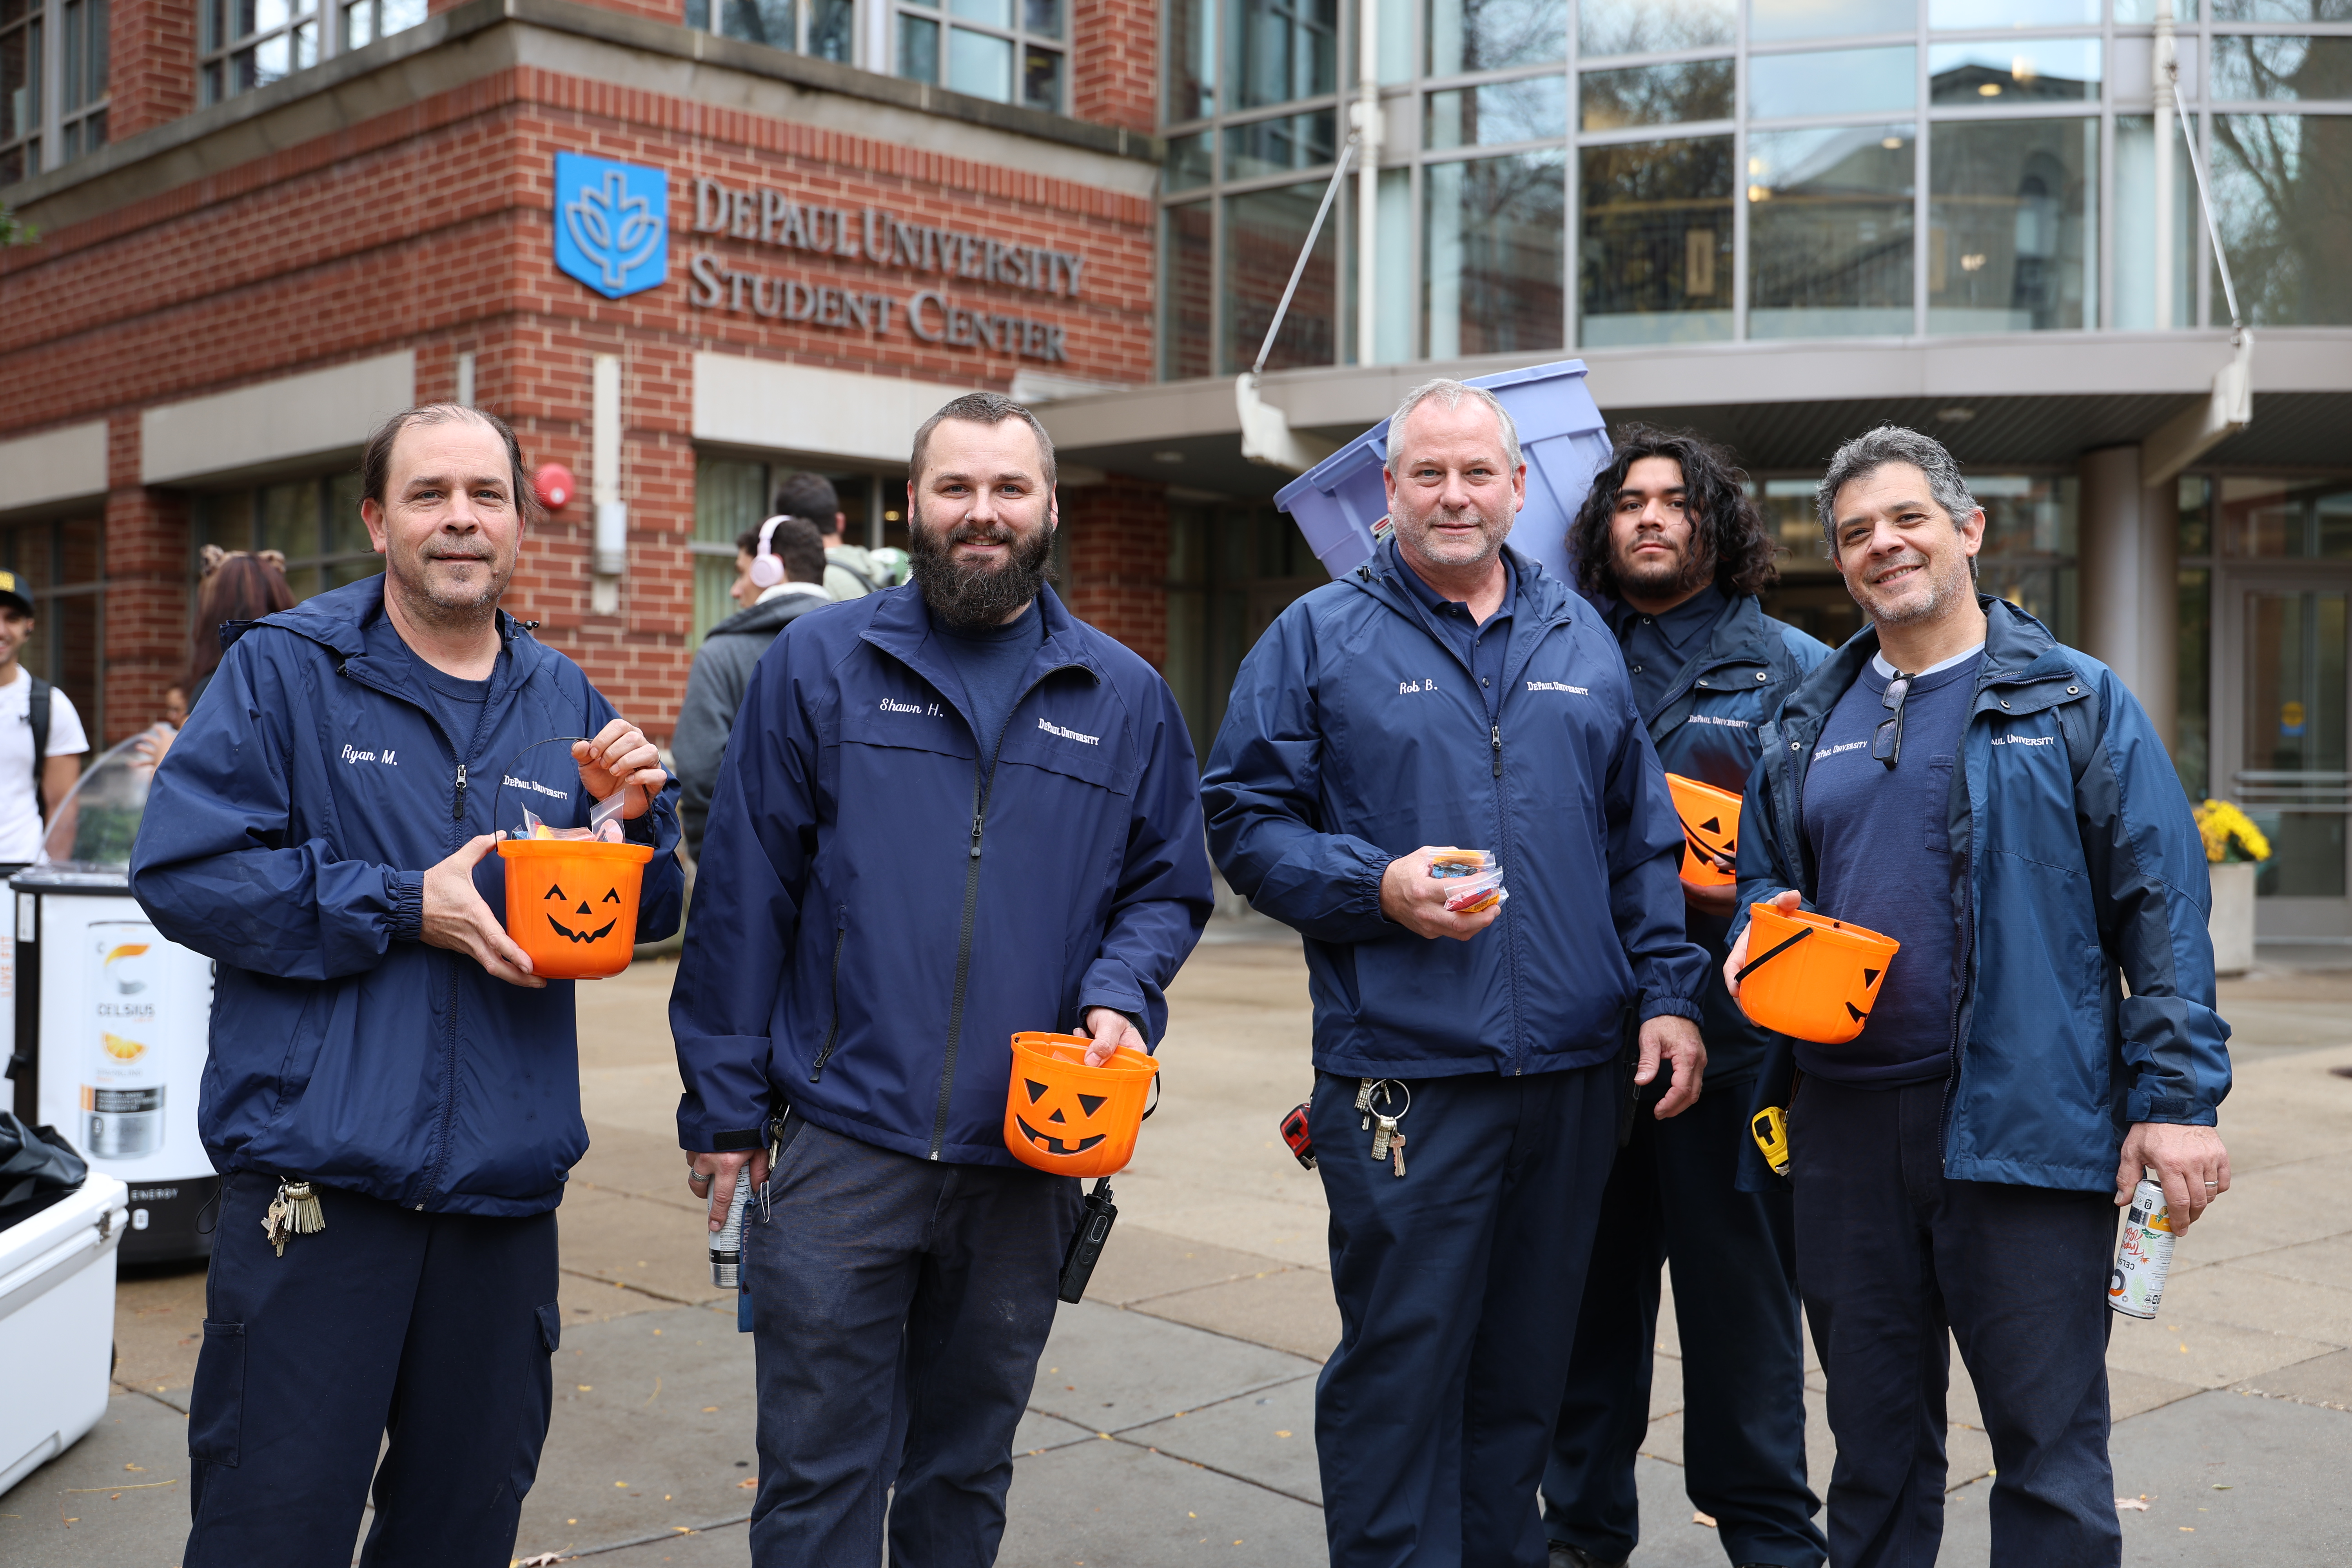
[(1477, 878)]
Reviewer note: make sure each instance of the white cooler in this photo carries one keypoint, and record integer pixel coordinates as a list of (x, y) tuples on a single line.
[(56, 1323)]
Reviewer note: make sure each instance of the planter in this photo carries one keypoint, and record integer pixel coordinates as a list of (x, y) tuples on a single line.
[(2232, 923)]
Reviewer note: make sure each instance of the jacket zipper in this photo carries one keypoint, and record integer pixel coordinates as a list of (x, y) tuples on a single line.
[(984, 785), (1510, 927), (833, 1029), (457, 807)]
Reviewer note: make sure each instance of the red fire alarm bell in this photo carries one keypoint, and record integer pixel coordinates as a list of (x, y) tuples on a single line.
[(553, 483)]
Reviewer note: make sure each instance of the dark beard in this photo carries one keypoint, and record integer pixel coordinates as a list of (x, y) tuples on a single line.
[(1691, 571), (974, 598)]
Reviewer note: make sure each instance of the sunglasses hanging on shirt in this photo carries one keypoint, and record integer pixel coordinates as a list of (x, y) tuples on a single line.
[(1886, 741)]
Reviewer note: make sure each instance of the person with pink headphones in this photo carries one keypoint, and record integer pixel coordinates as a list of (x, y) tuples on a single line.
[(779, 577)]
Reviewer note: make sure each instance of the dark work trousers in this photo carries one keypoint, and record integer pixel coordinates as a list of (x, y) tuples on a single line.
[(1671, 1200), (1458, 1288), (1889, 1254), (434, 1328), (867, 1258)]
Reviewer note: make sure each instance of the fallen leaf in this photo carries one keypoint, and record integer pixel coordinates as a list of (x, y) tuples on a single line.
[(747, 1482), (2188, 1530), (710, 1410), (620, 1483), (2218, 1485), (1282, 1434), (1706, 1519), (2131, 1502), (134, 1467)]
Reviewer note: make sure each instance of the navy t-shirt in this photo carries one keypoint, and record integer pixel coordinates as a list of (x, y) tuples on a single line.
[(1482, 645), (1879, 837), (991, 660), (1658, 647)]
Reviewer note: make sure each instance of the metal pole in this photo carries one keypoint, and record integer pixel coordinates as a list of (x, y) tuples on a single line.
[(2166, 70), (1367, 118), (1313, 232)]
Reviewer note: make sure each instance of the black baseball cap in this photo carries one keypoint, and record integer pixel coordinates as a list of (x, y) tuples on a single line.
[(12, 595)]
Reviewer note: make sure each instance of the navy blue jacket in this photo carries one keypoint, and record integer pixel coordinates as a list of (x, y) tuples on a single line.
[(2059, 885), (1355, 735), (287, 837), (1705, 726), (880, 908)]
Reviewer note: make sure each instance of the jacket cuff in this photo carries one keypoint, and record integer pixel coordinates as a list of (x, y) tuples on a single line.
[(406, 890), (1375, 869), (2142, 1105), (1671, 1008)]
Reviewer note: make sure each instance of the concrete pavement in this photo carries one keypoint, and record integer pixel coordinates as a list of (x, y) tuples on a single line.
[(1173, 1413)]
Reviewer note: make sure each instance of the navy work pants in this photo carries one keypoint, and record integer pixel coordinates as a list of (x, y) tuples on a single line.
[(867, 1256), (1671, 1200), (1890, 1254), (1458, 1289), (434, 1328)]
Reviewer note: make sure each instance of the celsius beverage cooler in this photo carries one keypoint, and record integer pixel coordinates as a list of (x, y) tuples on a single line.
[(112, 1019)]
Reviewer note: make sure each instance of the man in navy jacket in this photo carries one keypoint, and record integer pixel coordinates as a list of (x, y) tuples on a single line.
[(320, 829), (1670, 546), (950, 813), (1956, 778), (1449, 693)]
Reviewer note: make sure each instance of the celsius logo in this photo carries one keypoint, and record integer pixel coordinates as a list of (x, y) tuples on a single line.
[(612, 224)]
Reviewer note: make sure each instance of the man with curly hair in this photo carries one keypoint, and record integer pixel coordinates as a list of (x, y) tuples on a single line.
[(1669, 546)]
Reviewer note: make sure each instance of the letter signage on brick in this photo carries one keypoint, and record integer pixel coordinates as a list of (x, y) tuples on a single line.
[(612, 224)]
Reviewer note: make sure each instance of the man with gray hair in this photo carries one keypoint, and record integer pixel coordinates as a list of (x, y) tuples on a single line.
[(1449, 695), (1957, 779)]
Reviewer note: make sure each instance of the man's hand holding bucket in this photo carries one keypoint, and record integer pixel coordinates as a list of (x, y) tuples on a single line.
[(621, 758)]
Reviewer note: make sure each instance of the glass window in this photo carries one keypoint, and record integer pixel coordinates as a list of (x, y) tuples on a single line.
[(2286, 520), (2279, 65), (1187, 300), (1493, 255), (1829, 231), (1654, 95), (2271, 10), (2279, 196), (1192, 60), (83, 100), (1265, 231), (2029, 544), (2145, 10), (1653, 262), (60, 565), (1963, 16), (1533, 109), (2193, 744), (1769, 21), (2134, 277), (2012, 216), (1851, 81), (2020, 70), (20, 90), (729, 498), (314, 522), (252, 43), (992, 49), (1191, 161), (365, 21), (1467, 35), (1653, 26), (1277, 50), (1278, 146)]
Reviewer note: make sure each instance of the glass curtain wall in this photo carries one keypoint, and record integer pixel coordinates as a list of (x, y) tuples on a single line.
[(1600, 172)]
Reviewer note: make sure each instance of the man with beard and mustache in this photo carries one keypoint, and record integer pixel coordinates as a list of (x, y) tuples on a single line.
[(950, 812), (1956, 778), (1669, 545), (392, 1097), (1449, 693)]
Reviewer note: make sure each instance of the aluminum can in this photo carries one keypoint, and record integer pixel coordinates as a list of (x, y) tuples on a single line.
[(727, 1247), (2144, 1257), (122, 1082)]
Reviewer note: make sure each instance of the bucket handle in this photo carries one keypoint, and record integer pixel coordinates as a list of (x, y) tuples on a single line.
[(1754, 964), (498, 796)]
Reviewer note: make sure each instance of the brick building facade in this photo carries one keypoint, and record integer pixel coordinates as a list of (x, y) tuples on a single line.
[(224, 300)]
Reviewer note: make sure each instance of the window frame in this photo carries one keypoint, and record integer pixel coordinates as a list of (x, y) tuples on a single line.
[(1020, 35), (323, 27), (68, 82)]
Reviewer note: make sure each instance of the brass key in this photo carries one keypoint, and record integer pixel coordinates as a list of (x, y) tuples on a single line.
[(1396, 1151)]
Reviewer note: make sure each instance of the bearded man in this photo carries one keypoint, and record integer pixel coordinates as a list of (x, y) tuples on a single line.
[(1448, 693), (950, 812)]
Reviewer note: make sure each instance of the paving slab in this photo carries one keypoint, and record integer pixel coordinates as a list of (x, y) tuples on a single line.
[(1107, 1370), (2322, 1380), (1138, 1263), (118, 1499), (718, 1546), (159, 1327), (1290, 1308), (1120, 1505), (1268, 1438)]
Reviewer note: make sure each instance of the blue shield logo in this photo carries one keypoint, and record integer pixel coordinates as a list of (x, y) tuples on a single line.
[(612, 224)]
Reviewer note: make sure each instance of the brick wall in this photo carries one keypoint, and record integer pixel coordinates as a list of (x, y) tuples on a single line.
[(430, 227), (150, 64), (1114, 77), (1119, 561)]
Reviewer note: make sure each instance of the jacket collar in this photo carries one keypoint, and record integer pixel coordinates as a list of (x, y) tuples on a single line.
[(2018, 651), (767, 615), (337, 620), (901, 628), (1541, 598)]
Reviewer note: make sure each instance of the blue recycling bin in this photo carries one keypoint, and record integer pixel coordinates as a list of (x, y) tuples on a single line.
[(1565, 441)]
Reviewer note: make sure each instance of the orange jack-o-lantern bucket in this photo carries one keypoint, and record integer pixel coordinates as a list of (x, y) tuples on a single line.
[(1710, 827), (1811, 976), (1063, 1116), (572, 903)]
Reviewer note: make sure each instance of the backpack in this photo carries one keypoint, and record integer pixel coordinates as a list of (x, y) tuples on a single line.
[(36, 710)]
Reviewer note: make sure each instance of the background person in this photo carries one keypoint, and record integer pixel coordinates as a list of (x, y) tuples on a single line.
[(1956, 778), (722, 665), (1449, 693), (41, 738), (240, 586), (1670, 546), (317, 830), (954, 813), (850, 571)]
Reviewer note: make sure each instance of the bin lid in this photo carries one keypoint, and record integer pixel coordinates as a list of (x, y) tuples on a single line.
[(90, 835)]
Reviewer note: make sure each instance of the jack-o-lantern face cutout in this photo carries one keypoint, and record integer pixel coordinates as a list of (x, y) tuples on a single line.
[(1058, 1120), (584, 935)]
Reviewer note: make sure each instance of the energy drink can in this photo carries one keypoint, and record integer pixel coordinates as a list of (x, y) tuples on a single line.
[(2145, 1255), (123, 1084), (727, 1247)]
